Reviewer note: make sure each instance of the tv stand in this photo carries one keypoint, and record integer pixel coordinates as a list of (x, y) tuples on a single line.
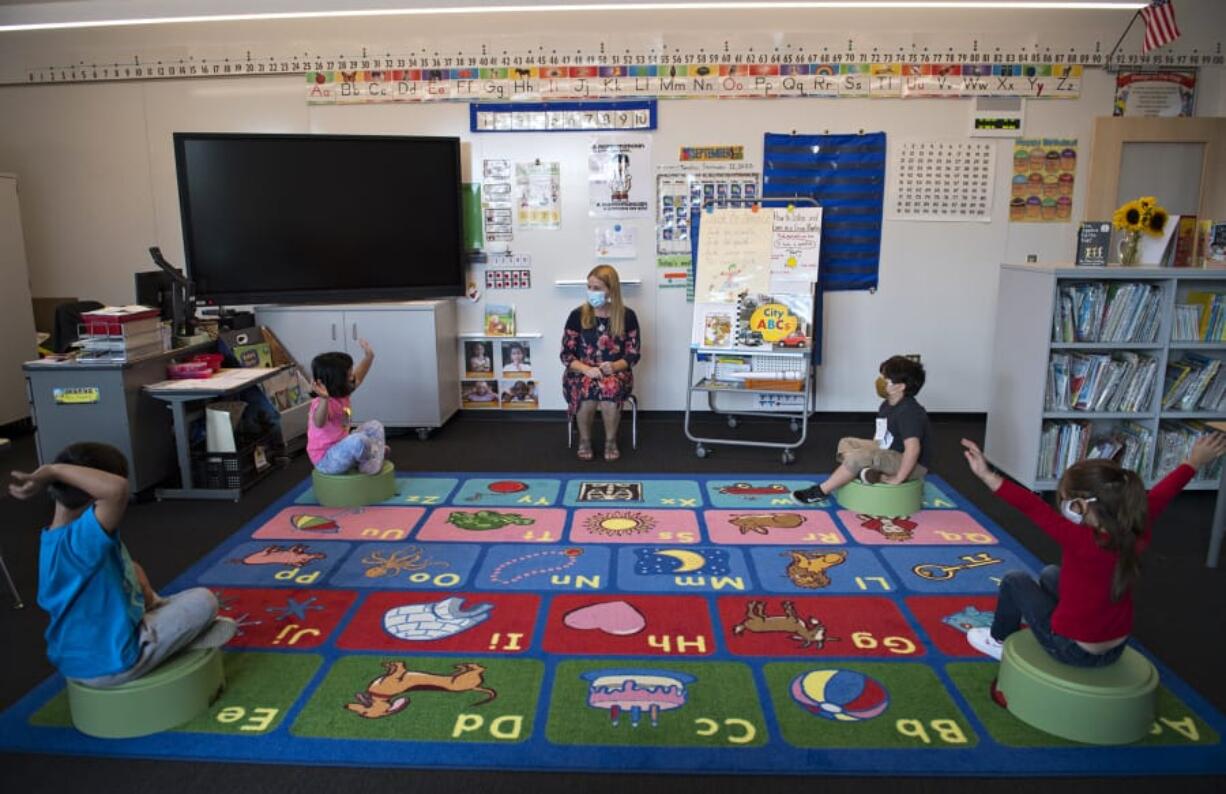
[(414, 382)]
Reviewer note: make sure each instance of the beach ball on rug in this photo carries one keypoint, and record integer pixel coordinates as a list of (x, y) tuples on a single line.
[(842, 695)]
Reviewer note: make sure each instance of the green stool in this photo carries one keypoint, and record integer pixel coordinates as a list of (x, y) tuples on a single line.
[(1095, 705), (893, 501), (355, 490), (174, 693)]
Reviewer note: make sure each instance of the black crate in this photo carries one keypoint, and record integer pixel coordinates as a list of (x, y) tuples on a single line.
[(234, 469)]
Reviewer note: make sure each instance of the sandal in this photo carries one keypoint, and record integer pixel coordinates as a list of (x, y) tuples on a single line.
[(610, 452), (585, 450)]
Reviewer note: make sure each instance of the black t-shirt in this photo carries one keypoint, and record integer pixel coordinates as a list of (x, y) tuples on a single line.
[(906, 420)]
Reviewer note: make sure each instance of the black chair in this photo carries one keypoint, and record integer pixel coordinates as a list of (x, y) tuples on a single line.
[(68, 323)]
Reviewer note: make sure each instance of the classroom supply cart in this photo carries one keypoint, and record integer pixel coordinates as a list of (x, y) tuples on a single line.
[(773, 373)]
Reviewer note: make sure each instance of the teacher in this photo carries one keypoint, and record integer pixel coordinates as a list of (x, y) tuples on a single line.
[(600, 345)]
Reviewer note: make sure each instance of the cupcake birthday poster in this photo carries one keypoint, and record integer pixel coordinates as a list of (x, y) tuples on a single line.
[(1043, 174)]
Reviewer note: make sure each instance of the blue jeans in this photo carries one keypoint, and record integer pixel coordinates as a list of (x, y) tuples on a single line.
[(363, 448), (164, 631), (1023, 598)]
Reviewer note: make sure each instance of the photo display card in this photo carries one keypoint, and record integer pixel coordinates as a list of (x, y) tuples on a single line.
[(941, 180), (685, 188)]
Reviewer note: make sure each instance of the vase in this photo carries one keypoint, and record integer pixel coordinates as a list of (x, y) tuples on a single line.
[(1130, 248)]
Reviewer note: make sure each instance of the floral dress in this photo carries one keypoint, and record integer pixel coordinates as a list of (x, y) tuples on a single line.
[(593, 346)]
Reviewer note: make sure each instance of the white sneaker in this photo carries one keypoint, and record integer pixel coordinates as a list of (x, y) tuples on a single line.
[(981, 639)]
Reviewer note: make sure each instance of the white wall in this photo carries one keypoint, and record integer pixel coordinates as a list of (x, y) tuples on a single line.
[(98, 188)]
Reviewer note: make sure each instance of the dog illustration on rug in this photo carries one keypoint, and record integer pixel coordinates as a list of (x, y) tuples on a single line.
[(809, 632), (386, 696), (808, 568)]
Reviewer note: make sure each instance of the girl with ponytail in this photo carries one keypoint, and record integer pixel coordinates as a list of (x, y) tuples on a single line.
[(1081, 610)]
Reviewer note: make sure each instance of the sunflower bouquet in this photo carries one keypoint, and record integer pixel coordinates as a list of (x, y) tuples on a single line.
[(1140, 216)]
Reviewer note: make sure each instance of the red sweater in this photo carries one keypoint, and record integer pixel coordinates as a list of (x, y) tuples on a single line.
[(1085, 611)]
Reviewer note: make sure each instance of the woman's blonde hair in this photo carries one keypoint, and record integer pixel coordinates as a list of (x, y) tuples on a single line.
[(617, 310)]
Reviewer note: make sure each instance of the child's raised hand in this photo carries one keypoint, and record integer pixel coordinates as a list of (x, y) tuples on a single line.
[(366, 348), (979, 464), (25, 485), (1207, 449), (319, 388)]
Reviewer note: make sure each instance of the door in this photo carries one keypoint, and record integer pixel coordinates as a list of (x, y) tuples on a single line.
[(306, 332), (400, 389)]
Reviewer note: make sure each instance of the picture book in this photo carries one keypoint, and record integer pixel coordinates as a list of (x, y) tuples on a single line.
[(499, 319), (1093, 240), (256, 355), (775, 321)]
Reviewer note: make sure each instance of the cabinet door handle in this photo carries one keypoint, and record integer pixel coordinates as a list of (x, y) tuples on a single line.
[(333, 332), (355, 332)]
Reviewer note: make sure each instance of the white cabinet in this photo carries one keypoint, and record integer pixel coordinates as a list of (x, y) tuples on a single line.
[(16, 308), (413, 382)]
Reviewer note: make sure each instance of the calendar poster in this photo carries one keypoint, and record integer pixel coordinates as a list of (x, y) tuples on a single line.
[(942, 181)]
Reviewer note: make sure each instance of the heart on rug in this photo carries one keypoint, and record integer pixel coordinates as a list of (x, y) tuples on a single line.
[(611, 617)]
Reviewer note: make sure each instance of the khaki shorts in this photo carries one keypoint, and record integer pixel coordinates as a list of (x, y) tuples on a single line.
[(863, 453)]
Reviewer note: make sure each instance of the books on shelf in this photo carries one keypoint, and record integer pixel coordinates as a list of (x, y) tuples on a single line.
[(1098, 312), (1188, 383), (1066, 442), (1110, 382), (1211, 316), (1175, 440)]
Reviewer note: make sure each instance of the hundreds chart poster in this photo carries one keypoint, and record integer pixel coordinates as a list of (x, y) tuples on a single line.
[(941, 181)]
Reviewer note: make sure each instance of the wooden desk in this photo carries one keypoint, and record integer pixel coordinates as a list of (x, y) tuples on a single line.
[(1219, 511), (181, 392)]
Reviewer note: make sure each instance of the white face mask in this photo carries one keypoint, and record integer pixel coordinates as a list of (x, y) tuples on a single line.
[(1066, 509)]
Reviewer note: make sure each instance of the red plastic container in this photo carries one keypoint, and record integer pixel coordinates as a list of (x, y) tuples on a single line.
[(188, 369), (212, 359)]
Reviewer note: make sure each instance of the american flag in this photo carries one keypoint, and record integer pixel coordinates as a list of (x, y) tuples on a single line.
[(1160, 27)]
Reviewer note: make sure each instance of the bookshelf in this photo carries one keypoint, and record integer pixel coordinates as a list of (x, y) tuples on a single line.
[(1027, 304)]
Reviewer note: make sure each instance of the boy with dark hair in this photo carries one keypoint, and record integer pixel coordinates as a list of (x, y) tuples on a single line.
[(107, 626), (898, 450)]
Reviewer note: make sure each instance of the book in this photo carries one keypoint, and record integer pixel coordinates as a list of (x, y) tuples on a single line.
[(714, 324), (256, 355), (1213, 250), (1185, 242), (499, 319), (774, 321), (1093, 240)]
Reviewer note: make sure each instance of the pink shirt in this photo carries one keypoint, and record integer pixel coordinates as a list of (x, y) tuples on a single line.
[(321, 439)]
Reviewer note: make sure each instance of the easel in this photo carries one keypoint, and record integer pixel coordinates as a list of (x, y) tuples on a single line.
[(798, 421)]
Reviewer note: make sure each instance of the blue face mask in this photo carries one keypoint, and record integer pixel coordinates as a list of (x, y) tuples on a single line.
[(596, 298)]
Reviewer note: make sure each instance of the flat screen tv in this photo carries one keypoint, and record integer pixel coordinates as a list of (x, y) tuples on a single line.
[(320, 218)]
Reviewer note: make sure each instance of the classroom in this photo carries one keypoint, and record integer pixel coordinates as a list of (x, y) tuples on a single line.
[(685, 256)]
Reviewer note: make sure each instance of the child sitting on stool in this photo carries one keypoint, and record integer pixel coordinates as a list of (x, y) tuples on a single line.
[(107, 626), (1081, 610), (330, 445), (898, 451)]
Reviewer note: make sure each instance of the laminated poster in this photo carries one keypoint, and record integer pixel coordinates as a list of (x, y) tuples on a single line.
[(539, 195), (1044, 170), (619, 176)]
